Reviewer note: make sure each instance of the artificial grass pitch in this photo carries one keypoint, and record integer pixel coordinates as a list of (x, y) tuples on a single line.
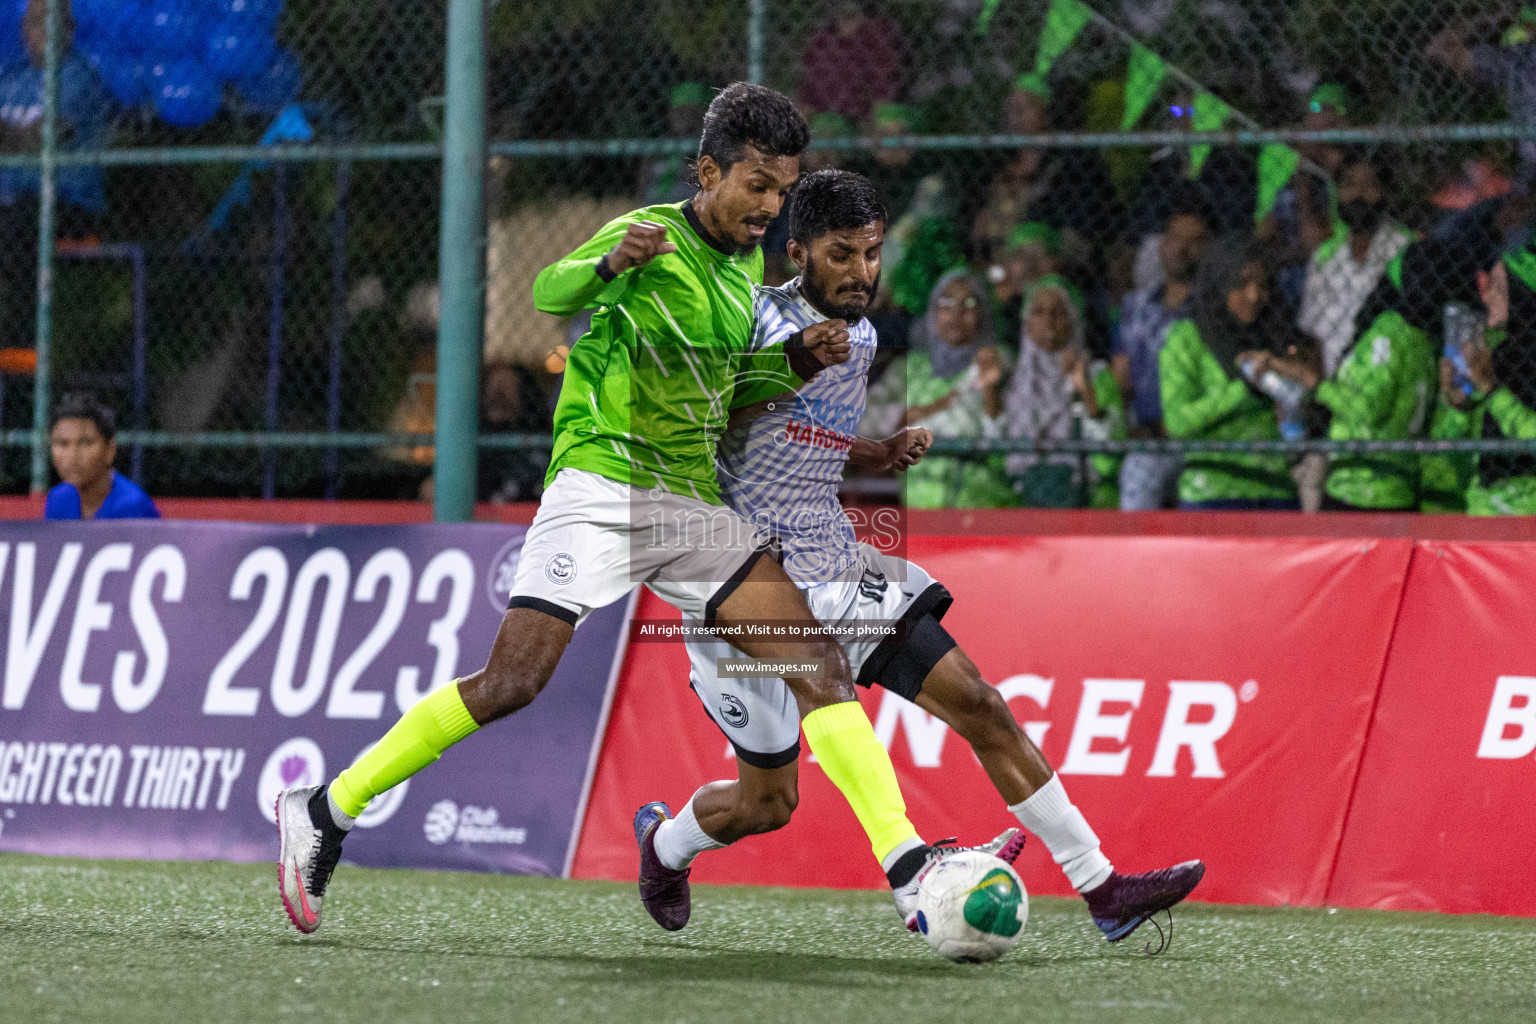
[(129, 941)]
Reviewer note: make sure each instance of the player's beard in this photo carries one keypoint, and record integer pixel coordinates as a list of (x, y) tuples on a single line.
[(823, 303), (745, 248)]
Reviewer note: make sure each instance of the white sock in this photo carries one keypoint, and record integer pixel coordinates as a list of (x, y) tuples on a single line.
[(680, 839), (343, 820), (1052, 816)]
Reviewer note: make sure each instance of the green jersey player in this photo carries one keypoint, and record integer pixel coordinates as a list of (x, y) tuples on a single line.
[(631, 497)]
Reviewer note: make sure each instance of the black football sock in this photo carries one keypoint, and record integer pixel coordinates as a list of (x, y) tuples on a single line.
[(907, 866)]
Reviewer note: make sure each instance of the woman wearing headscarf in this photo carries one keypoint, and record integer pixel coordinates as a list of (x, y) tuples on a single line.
[(1205, 393), (1032, 252), (1503, 401), (1058, 392), (950, 382)]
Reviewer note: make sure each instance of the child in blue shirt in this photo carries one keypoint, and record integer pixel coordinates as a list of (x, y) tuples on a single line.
[(82, 441)]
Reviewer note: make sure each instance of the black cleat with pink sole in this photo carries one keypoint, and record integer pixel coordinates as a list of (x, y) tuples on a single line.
[(1121, 903), (663, 890)]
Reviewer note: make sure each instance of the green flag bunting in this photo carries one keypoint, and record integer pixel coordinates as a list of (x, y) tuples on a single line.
[(1062, 24), (1210, 114), (1277, 164), (984, 22), (1142, 80)]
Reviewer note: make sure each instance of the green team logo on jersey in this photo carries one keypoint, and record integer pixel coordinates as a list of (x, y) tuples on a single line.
[(992, 905)]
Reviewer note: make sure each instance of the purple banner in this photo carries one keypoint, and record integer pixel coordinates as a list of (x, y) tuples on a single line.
[(164, 680)]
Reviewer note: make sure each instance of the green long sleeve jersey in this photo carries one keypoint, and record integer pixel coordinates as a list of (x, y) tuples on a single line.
[(1381, 392), (1445, 477), (647, 391), (1104, 478), (1511, 496), (1202, 402)]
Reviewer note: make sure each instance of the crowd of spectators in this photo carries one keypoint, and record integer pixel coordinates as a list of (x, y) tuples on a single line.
[(1077, 293), (1061, 293), (1042, 293)]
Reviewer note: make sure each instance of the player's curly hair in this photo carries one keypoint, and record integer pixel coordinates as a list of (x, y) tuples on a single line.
[(833, 200), (751, 115)]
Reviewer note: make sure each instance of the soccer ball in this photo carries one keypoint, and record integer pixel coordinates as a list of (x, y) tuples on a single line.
[(971, 907)]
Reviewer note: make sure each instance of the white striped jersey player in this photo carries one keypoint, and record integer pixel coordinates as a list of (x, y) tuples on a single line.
[(780, 469)]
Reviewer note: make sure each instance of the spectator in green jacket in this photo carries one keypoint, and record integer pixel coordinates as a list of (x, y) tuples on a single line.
[(951, 382), (1503, 404), (1384, 387), (1385, 384), (1060, 392), (1205, 393)]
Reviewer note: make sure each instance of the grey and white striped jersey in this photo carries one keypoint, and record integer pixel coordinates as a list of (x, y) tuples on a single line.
[(780, 463)]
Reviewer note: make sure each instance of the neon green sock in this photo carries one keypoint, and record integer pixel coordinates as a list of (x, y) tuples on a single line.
[(844, 742), (435, 723)]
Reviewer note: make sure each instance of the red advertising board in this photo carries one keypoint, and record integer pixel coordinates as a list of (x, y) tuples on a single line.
[(1442, 815), (1201, 697)]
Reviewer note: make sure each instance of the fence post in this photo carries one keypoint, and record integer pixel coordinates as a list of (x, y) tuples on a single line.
[(277, 273), (757, 15), (47, 202), (338, 329), (461, 251)]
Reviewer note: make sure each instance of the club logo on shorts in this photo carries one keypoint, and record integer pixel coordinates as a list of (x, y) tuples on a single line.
[(873, 585), (733, 711), (561, 568)]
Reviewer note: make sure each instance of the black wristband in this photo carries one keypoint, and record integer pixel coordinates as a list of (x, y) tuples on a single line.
[(604, 271), (805, 365)]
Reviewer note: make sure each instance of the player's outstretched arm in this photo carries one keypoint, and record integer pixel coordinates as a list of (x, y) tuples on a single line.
[(598, 272)]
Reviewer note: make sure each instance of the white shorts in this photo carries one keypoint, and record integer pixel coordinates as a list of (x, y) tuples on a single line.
[(887, 619), (594, 538)]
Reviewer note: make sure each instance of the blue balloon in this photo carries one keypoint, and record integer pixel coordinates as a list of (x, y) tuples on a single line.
[(120, 22), (273, 84), (13, 49), (99, 51), (252, 12), (170, 28), (98, 17), (236, 50), (186, 95), (127, 78)]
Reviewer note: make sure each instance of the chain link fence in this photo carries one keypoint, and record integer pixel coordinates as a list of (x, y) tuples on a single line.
[(248, 221), (245, 238)]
